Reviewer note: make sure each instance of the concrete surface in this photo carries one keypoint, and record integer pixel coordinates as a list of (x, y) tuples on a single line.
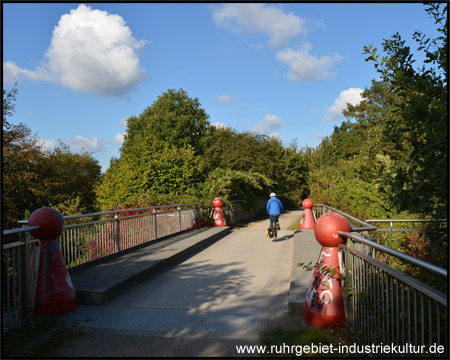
[(113, 275), (224, 296), (306, 250)]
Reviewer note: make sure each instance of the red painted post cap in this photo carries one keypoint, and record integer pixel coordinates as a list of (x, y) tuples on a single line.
[(50, 221), (307, 203), (327, 227)]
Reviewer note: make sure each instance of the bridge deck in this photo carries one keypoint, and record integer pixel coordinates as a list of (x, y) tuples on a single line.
[(223, 296)]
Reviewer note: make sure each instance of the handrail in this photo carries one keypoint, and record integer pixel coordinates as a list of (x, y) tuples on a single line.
[(408, 258), (366, 226), (406, 220), (20, 230), (117, 211)]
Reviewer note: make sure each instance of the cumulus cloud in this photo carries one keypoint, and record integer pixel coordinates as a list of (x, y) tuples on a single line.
[(270, 123), (259, 18), (220, 125), (83, 144), (91, 50), (48, 144), (119, 139), (351, 96), (225, 98), (306, 66)]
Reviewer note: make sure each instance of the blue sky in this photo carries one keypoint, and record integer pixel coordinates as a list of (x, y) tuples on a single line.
[(284, 69)]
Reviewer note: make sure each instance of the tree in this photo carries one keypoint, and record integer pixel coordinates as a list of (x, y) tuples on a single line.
[(420, 120), (150, 171), (20, 166), (173, 118)]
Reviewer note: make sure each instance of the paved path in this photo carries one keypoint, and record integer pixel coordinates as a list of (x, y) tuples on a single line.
[(223, 296)]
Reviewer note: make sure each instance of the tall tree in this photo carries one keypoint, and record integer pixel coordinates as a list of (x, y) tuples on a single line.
[(173, 118), (420, 123), (20, 166)]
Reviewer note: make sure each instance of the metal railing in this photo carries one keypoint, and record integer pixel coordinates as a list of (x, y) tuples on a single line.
[(118, 230), (385, 305), (20, 263)]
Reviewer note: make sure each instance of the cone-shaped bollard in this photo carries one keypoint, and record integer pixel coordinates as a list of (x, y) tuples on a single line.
[(324, 305), (218, 215), (307, 221), (55, 294)]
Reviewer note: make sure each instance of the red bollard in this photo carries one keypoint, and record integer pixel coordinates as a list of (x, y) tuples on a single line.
[(55, 294), (324, 305), (218, 215), (307, 221)]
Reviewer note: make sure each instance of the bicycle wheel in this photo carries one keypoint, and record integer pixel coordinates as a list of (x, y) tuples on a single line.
[(275, 234)]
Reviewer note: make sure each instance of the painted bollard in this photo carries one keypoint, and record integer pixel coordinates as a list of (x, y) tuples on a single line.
[(218, 215), (307, 221), (324, 305), (55, 294)]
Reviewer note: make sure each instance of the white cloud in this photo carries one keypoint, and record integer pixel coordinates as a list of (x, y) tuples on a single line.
[(119, 139), (124, 122), (270, 123), (90, 50), (351, 96), (48, 144), (259, 18), (305, 66), (83, 144), (225, 98), (219, 125)]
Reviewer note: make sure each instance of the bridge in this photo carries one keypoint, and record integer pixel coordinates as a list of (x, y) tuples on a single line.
[(202, 292)]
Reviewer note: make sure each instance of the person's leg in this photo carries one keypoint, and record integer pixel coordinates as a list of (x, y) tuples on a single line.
[(271, 220)]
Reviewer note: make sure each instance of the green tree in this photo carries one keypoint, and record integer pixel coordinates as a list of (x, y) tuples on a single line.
[(20, 166), (68, 180), (173, 118), (151, 171), (419, 123)]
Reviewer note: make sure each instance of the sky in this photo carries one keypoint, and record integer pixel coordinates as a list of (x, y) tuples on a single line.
[(282, 69)]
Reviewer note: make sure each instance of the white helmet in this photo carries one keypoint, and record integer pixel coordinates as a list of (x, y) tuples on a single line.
[(273, 194)]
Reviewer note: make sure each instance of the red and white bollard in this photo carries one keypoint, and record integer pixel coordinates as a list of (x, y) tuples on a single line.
[(324, 305), (218, 215), (55, 294), (307, 221)]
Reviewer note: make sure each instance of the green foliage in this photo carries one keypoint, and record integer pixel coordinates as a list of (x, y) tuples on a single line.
[(231, 184), (174, 118), (148, 172), (419, 116), (34, 178)]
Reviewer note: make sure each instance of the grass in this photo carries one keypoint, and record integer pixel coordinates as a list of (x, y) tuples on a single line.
[(287, 343), (38, 338)]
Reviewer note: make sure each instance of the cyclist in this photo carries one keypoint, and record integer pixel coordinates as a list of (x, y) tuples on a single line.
[(274, 208)]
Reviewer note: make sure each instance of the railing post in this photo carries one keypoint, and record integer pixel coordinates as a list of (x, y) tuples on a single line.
[(24, 277), (155, 232), (117, 235), (179, 219)]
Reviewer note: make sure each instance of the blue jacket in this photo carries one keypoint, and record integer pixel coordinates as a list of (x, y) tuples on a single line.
[(274, 206)]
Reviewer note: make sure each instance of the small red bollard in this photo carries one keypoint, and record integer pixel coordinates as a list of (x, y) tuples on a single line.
[(307, 221), (55, 294), (324, 305), (218, 215)]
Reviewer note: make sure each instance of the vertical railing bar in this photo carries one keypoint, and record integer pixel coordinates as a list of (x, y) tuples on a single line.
[(409, 313), (415, 311), (438, 323), (391, 283), (430, 323), (403, 313), (422, 310)]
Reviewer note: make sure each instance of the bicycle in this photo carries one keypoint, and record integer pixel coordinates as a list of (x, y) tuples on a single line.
[(273, 233)]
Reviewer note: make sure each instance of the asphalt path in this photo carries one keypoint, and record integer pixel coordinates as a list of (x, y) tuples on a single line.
[(223, 296)]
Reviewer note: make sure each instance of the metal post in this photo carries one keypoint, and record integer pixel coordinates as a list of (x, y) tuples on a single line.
[(179, 219), (24, 276), (155, 232), (117, 236)]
